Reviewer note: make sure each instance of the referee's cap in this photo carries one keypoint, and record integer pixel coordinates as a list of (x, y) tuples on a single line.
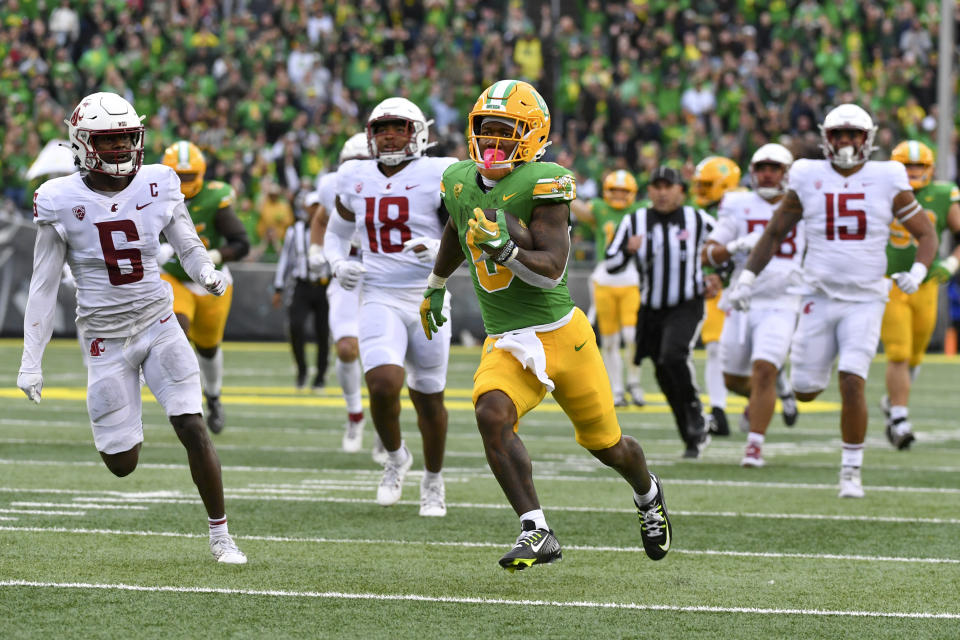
[(667, 174)]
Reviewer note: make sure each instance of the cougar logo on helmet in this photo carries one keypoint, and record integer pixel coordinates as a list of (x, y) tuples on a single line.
[(99, 115)]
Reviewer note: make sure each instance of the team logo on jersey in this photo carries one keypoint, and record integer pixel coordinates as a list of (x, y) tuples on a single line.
[(808, 308), (567, 186), (96, 347), (113, 207), (79, 211), (457, 190), (358, 187)]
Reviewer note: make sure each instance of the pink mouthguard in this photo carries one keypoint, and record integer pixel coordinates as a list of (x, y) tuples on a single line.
[(492, 155)]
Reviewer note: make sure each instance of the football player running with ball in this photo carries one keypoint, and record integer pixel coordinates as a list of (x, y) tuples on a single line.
[(847, 203), (393, 200), (106, 221), (202, 316), (538, 341)]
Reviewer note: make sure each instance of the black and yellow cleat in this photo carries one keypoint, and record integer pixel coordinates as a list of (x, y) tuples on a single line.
[(215, 417), (655, 526), (533, 546)]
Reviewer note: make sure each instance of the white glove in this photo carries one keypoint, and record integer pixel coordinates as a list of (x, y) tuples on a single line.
[(30, 384), (743, 244), (166, 252), (427, 256), (213, 281), (910, 281), (317, 264), (66, 276), (349, 273), (215, 256), (738, 296)]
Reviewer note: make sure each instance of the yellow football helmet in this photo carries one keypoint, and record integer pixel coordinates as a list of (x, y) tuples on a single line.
[(619, 189), (712, 178), (187, 160), (515, 103), (914, 152)]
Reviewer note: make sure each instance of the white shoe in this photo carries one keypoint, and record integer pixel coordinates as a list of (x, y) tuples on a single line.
[(352, 436), (391, 485), (378, 453), (900, 433), (635, 391), (752, 457), (432, 498), (225, 550), (850, 484)]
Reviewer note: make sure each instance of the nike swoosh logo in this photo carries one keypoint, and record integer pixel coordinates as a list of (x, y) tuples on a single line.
[(412, 186), (167, 318), (666, 545), (581, 345), (143, 206), (539, 543), (507, 197)]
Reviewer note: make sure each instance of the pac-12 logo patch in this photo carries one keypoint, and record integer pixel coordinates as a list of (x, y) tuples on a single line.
[(79, 211)]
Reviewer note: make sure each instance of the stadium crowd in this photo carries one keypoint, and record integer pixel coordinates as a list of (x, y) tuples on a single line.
[(271, 90)]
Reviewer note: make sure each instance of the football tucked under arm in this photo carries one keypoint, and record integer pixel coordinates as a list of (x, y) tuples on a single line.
[(518, 231)]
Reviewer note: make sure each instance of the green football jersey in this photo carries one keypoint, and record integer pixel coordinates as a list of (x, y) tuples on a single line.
[(506, 302), (935, 198), (606, 220), (203, 208)]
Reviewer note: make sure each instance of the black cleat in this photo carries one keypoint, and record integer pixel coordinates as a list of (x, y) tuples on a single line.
[(534, 546), (655, 526), (635, 391), (900, 434), (719, 425), (788, 404), (215, 417)]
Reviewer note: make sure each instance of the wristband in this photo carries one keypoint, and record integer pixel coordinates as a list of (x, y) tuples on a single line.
[(950, 263), (747, 278), (435, 282), (507, 253), (919, 271)]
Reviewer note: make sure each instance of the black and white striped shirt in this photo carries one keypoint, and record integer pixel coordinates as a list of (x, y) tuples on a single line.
[(292, 264), (669, 255)]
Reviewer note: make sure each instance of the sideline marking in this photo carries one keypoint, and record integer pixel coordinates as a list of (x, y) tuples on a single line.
[(413, 597)]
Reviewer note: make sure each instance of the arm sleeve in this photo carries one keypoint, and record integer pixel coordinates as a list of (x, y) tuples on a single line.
[(336, 241), (182, 234), (725, 228), (49, 254), (616, 256), (533, 278), (285, 263), (237, 244)]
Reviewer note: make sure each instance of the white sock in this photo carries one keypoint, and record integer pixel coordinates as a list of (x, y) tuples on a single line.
[(613, 362), (539, 520), (629, 335), (713, 372), (897, 412), (852, 455), (218, 526), (755, 438), (400, 455), (783, 383), (646, 497), (348, 375), (211, 373)]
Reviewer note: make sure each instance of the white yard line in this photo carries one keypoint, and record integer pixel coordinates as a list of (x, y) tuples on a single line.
[(37, 512), (78, 505), (411, 597), (485, 545)]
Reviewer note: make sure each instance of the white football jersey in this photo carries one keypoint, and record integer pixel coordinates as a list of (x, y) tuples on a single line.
[(744, 212), (112, 243), (327, 189), (388, 212), (847, 226)]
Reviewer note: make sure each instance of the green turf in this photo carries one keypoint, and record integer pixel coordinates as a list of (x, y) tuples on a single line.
[(764, 553)]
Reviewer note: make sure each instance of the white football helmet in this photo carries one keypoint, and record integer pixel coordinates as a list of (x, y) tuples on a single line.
[(776, 154), (103, 114), (417, 130), (847, 116), (355, 148)]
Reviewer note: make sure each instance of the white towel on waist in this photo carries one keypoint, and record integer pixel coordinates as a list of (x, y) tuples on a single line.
[(526, 347)]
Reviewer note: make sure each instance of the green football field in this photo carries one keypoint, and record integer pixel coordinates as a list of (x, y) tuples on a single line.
[(757, 553)]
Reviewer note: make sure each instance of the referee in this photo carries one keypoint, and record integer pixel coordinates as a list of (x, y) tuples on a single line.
[(307, 293), (664, 242)]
